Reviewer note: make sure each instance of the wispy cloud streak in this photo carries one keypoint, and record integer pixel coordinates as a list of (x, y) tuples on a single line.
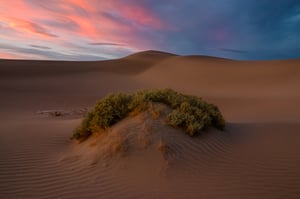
[(263, 29)]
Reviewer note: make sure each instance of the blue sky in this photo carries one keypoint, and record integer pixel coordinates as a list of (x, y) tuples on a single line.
[(101, 29)]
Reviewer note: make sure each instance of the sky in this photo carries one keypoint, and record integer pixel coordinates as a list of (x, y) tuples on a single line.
[(109, 29)]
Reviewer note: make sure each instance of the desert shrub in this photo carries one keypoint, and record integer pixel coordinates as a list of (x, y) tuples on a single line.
[(107, 112), (190, 113)]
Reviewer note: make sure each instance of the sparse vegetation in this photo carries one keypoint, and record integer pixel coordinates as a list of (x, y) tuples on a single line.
[(188, 112)]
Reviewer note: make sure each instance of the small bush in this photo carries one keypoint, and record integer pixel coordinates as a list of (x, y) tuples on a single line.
[(188, 112)]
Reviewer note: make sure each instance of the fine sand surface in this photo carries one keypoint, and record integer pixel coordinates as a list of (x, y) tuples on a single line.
[(257, 156)]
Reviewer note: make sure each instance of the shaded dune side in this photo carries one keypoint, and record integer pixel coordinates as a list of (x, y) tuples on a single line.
[(35, 168), (241, 162), (258, 161), (219, 77), (266, 91), (132, 64), (243, 157), (46, 85), (46, 165)]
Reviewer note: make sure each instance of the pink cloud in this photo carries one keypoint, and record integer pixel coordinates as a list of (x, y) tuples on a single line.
[(5, 55), (13, 55), (137, 14), (24, 26), (58, 22)]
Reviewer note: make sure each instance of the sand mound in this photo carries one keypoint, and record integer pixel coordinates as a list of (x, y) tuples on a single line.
[(139, 130), (134, 133), (190, 113), (144, 150)]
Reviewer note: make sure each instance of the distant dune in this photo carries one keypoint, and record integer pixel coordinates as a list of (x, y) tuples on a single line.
[(256, 157)]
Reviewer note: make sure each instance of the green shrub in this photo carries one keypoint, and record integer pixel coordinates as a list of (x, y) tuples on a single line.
[(188, 112)]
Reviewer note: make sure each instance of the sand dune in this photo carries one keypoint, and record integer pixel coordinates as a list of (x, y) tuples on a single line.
[(128, 65), (256, 157), (263, 88)]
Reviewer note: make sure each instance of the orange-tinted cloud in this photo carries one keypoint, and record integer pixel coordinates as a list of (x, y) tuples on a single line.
[(6, 55), (134, 13), (58, 22), (24, 26), (181, 27)]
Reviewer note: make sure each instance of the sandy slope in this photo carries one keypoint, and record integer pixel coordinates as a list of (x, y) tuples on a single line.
[(257, 156)]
